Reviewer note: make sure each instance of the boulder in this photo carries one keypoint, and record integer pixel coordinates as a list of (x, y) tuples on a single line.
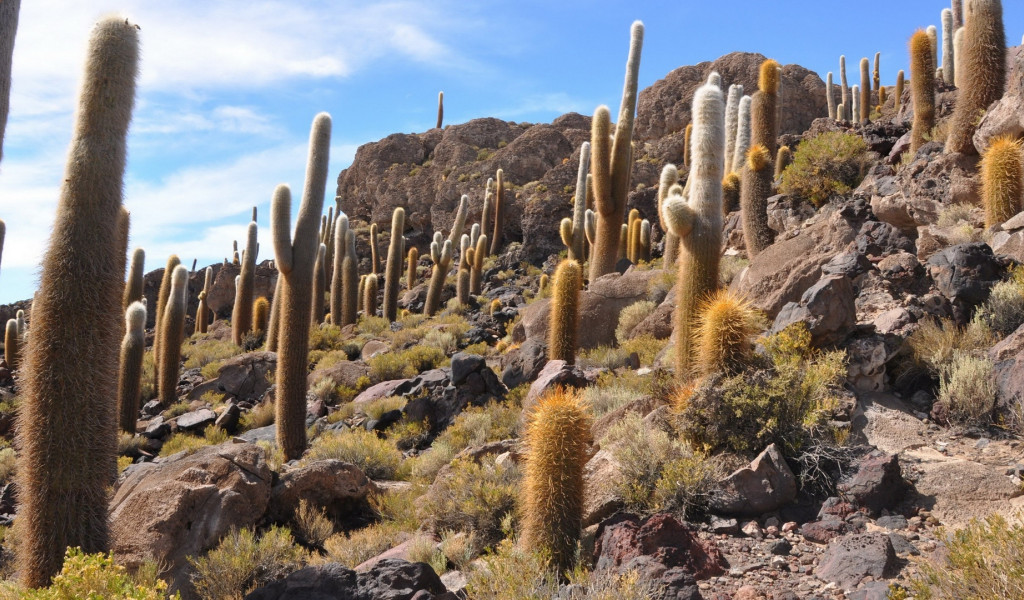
[(389, 579), (848, 560), (876, 483), (345, 373), (828, 309), (964, 274), (556, 373), (600, 475), (242, 377), (340, 488), (183, 505), (1006, 115), (767, 484), (523, 364)]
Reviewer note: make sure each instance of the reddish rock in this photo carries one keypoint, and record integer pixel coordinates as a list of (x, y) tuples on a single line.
[(556, 373), (624, 538), (876, 482)]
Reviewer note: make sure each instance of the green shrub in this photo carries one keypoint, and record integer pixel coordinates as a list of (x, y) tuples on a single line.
[(475, 426), (604, 399), (201, 351), (984, 560), (240, 563), (1003, 312), (405, 363), (631, 316), (934, 343), (472, 497), (311, 524), (512, 571), (377, 408), (189, 443), (967, 390), (258, 416), (325, 337), (831, 163), (91, 577), (375, 456)]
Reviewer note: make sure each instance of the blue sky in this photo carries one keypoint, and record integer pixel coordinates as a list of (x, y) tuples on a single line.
[(228, 89)]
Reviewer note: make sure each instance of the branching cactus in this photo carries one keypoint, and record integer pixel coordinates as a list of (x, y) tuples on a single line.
[(442, 257), (565, 313), (611, 164), (755, 190), (984, 72), (296, 259), (573, 235), (558, 438), (1002, 178), (133, 347), (340, 247), (173, 326), (669, 177), (499, 211), (349, 281), (411, 263), (698, 221), (393, 269), (241, 313), (922, 89), (477, 266)]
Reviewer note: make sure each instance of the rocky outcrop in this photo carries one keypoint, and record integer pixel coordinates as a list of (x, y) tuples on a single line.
[(1006, 115), (242, 378), (222, 294), (389, 579), (765, 485)]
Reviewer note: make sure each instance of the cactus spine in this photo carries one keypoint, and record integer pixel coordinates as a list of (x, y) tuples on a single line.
[(573, 235), (296, 260), (845, 90), (698, 222), (1002, 178), (349, 281), (755, 190), (922, 89), (203, 310), (134, 286), (564, 315), (948, 65), (558, 441), (412, 260), (611, 165), (393, 269), (241, 313), (260, 316), (370, 290), (70, 369), (477, 266), (442, 257), (440, 109), (172, 336), (12, 345), (161, 302), (499, 211), (732, 116), (829, 98), (725, 326), (129, 386), (865, 91), (337, 285), (742, 135), (669, 177), (984, 72)]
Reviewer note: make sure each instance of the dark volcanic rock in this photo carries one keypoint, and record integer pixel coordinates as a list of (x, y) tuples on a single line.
[(389, 579), (849, 560)]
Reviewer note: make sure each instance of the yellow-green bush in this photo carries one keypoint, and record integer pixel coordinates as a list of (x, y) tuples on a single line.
[(258, 416), (831, 163), (631, 316), (472, 497), (405, 363), (311, 524), (189, 443), (240, 563), (90, 577), (201, 351), (378, 458), (397, 513), (933, 343), (325, 337), (1003, 311), (967, 390), (475, 426)]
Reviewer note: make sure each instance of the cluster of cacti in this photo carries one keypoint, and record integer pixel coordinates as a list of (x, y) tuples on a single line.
[(565, 311), (241, 313), (393, 268), (865, 91), (755, 189), (1002, 178), (922, 89), (129, 386), (441, 254), (610, 163), (203, 310), (572, 230), (64, 473), (698, 220), (726, 325), (296, 259), (558, 437), (984, 72)]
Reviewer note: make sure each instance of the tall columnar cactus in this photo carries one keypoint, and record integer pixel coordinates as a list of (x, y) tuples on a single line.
[(845, 90), (374, 245), (129, 386), (623, 243), (328, 241), (611, 163), (260, 315), (881, 98), (900, 84), (477, 266), (755, 190), (12, 345), (161, 302), (698, 221), (459, 223), (134, 285), (440, 109), (442, 257), (8, 28), (732, 116), (173, 334), (499, 211), (840, 112), (633, 249), (830, 100), (22, 326), (474, 233), (462, 277), (984, 72), (855, 97), (203, 311), (316, 307), (411, 262), (726, 325), (565, 312), (764, 131), (742, 134), (349, 281), (876, 74), (1002, 178), (730, 193), (274, 327), (241, 313), (865, 91), (370, 290), (338, 258), (689, 133), (785, 156), (296, 258), (922, 89), (70, 372), (958, 45), (488, 208), (669, 177), (573, 235), (393, 269), (645, 241), (558, 439), (948, 66), (933, 42), (590, 227)]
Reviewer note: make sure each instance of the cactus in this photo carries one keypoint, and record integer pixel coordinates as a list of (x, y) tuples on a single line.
[(865, 91), (922, 89), (755, 190), (958, 14), (845, 90), (900, 83), (338, 258), (829, 99), (296, 261), (732, 116), (474, 234), (274, 327), (370, 290), (762, 111), (241, 313), (477, 266), (742, 134), (855, 98), (565, 313), (494, 307), (623, 251), (393, 268), (316, 306), (881, 98), (349, 281), (459, 223), (948, 66), (440, 109), (573, 235), (134, 285), (876, 74), (689, 133), (785, 157), (499, 211), (645, 241), (328, 241), (730, 193), (840, 112), (203, 310), (8, 28), (726, 325), (22, 326), (12, 345), (161, 302), (590, 227), (442, 257), (558, 439), (698, 222), (488, 206), (129, 386), (374, 243), (412, 260), (669, 177), (260, 316), (462, 277), (633, 249), (1002, 179), (172, 336), (958, 44), (984, 72), (611, 165)]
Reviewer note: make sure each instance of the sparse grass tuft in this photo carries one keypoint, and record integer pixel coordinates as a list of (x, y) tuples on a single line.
[(240, 563), (472, 497), (375, 456), (630, 317)]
